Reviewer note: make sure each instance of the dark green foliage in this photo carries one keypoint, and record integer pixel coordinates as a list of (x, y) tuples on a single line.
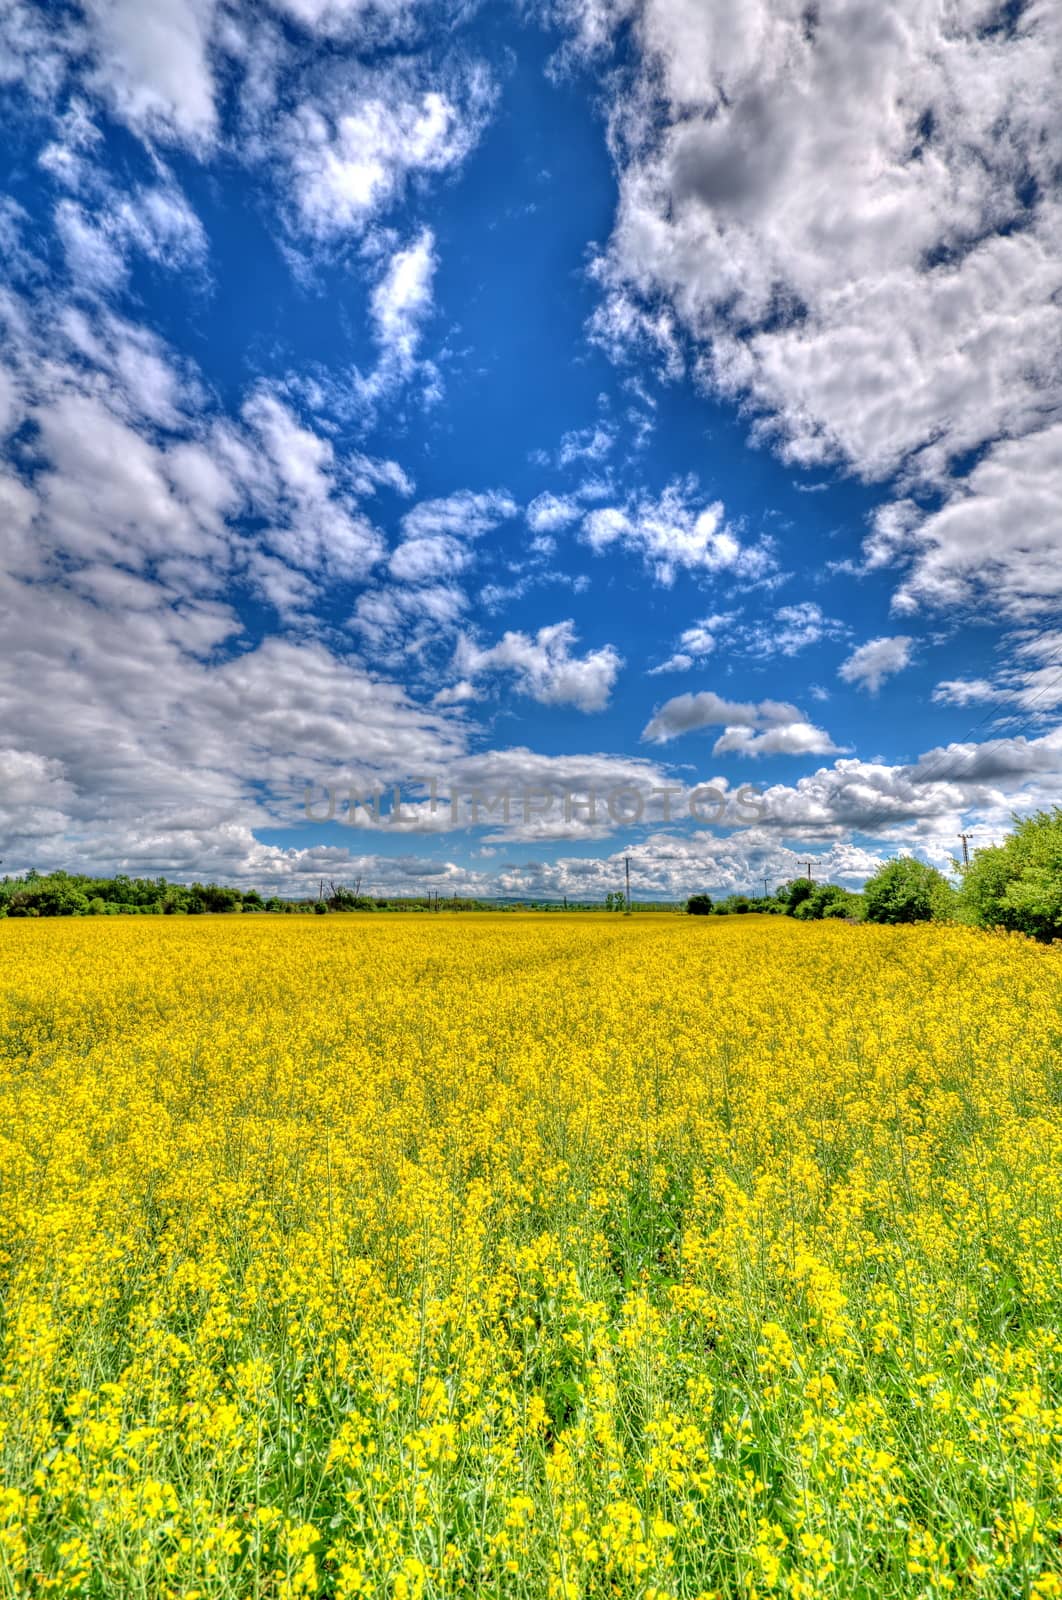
[(1018, 885), (699, 905), (794, 893), (906, 890), (828, 900), (55, 896)]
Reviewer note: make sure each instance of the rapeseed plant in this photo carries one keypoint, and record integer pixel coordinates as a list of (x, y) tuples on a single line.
[(658, 1257)]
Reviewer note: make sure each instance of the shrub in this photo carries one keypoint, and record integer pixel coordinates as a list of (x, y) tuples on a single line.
[(1018, 885), (794, 893), (699, 905), (907, 890)]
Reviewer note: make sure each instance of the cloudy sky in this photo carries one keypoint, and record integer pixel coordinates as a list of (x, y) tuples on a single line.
[(577, 404)]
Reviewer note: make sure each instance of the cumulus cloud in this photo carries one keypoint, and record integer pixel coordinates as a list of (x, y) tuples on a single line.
[(418, 560), (133, 467), (870, 664), (468, 514), (153, 61), (769, 728), (544, 667), (880, 285), (352, 151), (695, 644), (677, 532), (966, 692), (403, 621), (549, 513), (437, 540), (993, 539)]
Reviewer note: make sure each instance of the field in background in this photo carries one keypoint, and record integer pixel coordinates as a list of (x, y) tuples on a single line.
[(649, 1257)]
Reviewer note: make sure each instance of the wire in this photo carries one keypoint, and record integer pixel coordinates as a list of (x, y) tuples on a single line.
[(926, 777)]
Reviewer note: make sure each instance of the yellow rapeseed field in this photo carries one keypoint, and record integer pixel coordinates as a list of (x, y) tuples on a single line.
[(529, 1256)]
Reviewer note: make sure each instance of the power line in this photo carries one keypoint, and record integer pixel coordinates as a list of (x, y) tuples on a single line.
[(885, 815)]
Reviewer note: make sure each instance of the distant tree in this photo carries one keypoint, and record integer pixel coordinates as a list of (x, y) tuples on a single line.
[(48, 897), (320, 908), (828, 900), (906, 890), (216, 898), (699, 905), (794, 893)]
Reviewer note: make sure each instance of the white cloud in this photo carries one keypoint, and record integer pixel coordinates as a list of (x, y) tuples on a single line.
[(401, 303), (403, 621), (993, 540), (1029, 678), (586, 444), (313, 526), (152, 60), (870, 664), (467, 514), (549, 513), (457, 694), (798, 738), (785, 632), (966, 692), (695, 644), (133, 467), (353, 153), (770, 728), (65, 156), (882, 284), (676, 534), (418, 560), (35, 47), (157, 222), (544, 666), (791, 629), (435, 545), (377, 20)]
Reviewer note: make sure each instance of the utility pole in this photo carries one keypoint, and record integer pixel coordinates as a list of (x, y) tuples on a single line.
[(627, 864), (965, 848), (810, 878), (765, 890)]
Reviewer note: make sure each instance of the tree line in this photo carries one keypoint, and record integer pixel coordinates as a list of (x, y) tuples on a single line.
[(1016, 885), (67, 894)]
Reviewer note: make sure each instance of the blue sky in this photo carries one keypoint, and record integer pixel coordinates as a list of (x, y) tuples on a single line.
[(542, 399)]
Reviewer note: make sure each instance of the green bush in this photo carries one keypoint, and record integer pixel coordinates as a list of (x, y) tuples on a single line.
[(1018, 885), (794, 893), (907, 890)]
